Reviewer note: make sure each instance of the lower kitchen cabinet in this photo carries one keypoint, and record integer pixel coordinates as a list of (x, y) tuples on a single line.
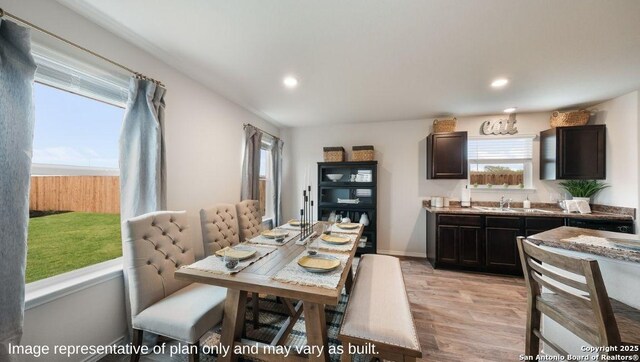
[(535, 225), (487, 243), (460, 240), (501, 251), (470, 244), (459, 245)]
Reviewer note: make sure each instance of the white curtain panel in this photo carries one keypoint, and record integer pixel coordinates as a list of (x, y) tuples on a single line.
[(276, 174), (251, 164), (17, 70), (142, 159)]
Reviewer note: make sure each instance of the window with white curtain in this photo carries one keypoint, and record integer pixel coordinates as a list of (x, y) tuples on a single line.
[(500, 162)]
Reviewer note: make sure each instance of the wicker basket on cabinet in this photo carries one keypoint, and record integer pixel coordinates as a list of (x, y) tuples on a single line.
[(333, 154), (444, 125), (362, 153), (566, 119)]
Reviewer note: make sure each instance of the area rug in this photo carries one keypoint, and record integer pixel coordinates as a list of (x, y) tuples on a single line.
[(272, 315)]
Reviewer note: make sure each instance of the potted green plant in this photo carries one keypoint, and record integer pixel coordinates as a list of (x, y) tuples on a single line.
[(583, 189)]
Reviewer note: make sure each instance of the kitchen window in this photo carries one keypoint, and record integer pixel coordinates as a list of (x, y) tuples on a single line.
[(501, 162)]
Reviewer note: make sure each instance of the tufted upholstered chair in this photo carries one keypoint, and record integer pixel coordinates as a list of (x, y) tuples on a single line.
[(249, 219), (219, 227), (154, 246), (219, 230)]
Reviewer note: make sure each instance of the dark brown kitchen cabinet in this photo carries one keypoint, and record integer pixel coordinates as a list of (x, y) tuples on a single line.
[(500, 238), (487, 243), (448, 248), (447, 155), (459, 240), (470, 245), (568, 153), (502, 251), (535, 225)]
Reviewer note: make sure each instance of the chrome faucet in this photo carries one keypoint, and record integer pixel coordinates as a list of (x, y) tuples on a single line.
[(503, 201)]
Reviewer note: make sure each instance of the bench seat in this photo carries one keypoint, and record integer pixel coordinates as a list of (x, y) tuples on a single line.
[(378, 311)]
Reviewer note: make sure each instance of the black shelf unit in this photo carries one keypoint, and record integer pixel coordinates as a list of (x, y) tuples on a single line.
[(329, 192)]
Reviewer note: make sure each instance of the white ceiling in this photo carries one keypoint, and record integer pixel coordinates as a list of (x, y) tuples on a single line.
[(377, 60)]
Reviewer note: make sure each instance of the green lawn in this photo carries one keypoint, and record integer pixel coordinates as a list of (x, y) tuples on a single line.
[(63, 242)]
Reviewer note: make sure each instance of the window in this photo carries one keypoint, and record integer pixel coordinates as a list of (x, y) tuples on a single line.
[(503, 162), (74, 198), (265, 179)]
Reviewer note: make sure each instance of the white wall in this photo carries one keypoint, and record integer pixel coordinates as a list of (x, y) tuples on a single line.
[(621, 117), (401, 153), (204, 140)]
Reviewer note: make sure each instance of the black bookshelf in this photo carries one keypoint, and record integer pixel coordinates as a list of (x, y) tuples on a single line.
[(345, 188)]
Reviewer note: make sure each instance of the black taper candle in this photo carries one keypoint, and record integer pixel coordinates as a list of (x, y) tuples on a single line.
[(304, 206), (306, 224), (310, 213), (301, 225), (310, 220)]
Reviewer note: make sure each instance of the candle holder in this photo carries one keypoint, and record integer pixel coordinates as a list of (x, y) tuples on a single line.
[(306, 216)]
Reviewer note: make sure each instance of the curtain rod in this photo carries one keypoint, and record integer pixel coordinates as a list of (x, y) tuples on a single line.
[(260, 129), (3, 13)]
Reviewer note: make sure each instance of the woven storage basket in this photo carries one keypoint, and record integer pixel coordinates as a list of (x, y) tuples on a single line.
[(565, 119), (444, 125), (362, 153), (333, 154)]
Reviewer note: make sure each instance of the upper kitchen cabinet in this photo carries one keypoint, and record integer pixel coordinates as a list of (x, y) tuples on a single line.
[(447, 155), (577, 152)]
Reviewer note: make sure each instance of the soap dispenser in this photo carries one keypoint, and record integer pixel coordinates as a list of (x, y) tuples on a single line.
[(526, 203)]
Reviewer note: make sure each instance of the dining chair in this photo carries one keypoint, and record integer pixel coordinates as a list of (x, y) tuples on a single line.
[(220, 230), (575, 297), (155, 245), (219, 227), (249, 219)]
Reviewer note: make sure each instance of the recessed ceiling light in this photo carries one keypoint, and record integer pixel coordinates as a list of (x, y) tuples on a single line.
[(290, 82), (500, 82), (510, 110)]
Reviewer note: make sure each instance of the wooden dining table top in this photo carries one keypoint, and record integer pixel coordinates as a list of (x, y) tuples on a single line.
[(257, 277)]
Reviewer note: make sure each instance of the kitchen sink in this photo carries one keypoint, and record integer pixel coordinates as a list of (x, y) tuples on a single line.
[(487, 208), (533, 210), (513, 209)]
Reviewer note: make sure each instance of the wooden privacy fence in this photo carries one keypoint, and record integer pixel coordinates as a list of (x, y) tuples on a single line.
[(483, 178), (99, 194)]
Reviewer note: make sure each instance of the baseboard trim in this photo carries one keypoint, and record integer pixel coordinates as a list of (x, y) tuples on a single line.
[(403, 253), (97, 357)]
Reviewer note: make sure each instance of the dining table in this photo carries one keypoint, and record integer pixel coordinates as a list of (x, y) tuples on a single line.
[(298, 298)]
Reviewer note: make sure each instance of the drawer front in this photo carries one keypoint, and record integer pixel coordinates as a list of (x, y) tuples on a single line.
[(504, 221), (543, 223), (460, 220)]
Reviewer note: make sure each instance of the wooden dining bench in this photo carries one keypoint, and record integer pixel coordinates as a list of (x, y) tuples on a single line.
[(378, 312)]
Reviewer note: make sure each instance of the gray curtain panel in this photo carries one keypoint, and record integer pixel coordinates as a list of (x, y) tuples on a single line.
[(251, 164), (142, 152), (142, 160), (276, 171), (17, 70)]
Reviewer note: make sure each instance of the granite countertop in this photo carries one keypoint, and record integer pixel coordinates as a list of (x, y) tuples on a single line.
[(548, 210), (596, 242)]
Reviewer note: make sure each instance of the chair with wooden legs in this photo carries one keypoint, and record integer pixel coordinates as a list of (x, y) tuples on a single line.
[(577, 300), (250, 225), (154, 246), (219, 230)]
